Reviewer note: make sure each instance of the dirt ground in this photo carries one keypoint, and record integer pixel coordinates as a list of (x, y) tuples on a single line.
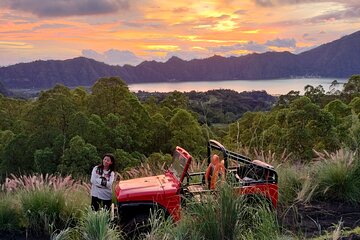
[(309, 220), (20, 236)]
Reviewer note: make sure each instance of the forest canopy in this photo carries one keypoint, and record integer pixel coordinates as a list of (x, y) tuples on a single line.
[(67, 130)]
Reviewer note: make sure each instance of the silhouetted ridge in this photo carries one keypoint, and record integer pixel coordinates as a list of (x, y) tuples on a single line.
[(338, 59)]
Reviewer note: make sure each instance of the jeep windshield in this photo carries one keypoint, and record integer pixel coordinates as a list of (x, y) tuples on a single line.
[(181, 162)]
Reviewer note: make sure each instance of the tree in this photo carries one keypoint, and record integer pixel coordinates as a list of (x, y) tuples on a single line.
[(353, 85), (338, 109), (79, 158), (160, 139), (52, 113), (17, 157), (45, 161), (315, 94), (186, 132), (355, 104), (285, 100), (176, 99), (109, 95), (126, 160)]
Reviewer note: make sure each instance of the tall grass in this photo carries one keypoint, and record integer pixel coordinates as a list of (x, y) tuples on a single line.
[(291, 178), (10, 216), (144, 170), (38, 181), (97, 226), (90, 226), (43, 210), (224, 215), (337, 176), (42, 203)]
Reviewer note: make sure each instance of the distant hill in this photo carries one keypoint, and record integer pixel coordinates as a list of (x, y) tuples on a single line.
[(3, 90), (338, 59)]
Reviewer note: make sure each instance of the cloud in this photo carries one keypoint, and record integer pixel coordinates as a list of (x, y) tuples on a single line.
[(351, 12), (181, 10), (249, 46), (113, 57), (63, 8), (240, 12), (189, 55), (303, 49), (273, 3), (264, 3), (283, 43), (51, 26), (148, 23)]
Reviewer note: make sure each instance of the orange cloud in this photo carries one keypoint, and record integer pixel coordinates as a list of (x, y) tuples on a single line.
[(159, 27)]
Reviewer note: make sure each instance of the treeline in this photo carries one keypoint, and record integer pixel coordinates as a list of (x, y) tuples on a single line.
[(68, 130), (300, 124), (217, 106)]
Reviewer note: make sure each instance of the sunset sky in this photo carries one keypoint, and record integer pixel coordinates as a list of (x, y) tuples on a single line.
[(121, 31)]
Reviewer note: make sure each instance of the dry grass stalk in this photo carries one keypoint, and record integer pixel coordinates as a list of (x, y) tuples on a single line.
[(144, 170), (39, 181), (271, 157), (342, 155)]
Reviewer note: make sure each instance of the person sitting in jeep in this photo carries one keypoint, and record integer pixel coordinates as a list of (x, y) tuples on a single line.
[(215, 170)]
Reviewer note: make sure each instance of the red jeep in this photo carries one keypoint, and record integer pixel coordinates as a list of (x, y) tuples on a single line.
[(137, 197)]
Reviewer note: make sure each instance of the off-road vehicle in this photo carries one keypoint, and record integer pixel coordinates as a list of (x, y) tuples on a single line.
[(137, 197)]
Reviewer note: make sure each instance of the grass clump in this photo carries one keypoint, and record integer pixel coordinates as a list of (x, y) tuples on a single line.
[(97, 226), (291, 178), (43, 210), (337, 177), (10, 217), (222, 215)]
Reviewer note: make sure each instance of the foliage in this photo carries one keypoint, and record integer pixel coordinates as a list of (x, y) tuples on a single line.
[(214, 106), (41, 203), (79, 158), (299, 127), (10, 218), (43, 210), (337, 177), (97, 226), (353, 85), (290, 182), (67, 130), (223, 215), (38, 181), (186, 132)]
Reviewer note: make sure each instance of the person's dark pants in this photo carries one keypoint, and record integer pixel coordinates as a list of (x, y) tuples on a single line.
[(97, 202)]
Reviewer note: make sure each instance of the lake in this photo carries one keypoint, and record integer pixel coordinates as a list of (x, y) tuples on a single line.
[(274, 87)]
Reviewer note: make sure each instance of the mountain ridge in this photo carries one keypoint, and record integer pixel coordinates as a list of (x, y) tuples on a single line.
[(338, 59)]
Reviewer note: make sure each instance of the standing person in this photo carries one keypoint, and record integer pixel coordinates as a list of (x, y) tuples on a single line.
[(102, 178)]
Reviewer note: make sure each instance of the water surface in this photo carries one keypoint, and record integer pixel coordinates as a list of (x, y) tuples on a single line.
[(274, 87)]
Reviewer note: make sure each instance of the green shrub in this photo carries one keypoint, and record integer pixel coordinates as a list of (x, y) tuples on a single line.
[(337, 177), (76, 201), (97, 226), (290, 182), (227, 215), (43, 210), (10, 217)]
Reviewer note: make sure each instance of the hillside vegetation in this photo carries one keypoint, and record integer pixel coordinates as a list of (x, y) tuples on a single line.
[(312, 140), (67, 130)]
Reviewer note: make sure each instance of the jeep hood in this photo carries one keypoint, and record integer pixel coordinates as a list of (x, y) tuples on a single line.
[(146, 188)]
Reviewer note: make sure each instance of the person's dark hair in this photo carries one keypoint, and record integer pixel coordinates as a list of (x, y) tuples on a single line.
[(112, 166)]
